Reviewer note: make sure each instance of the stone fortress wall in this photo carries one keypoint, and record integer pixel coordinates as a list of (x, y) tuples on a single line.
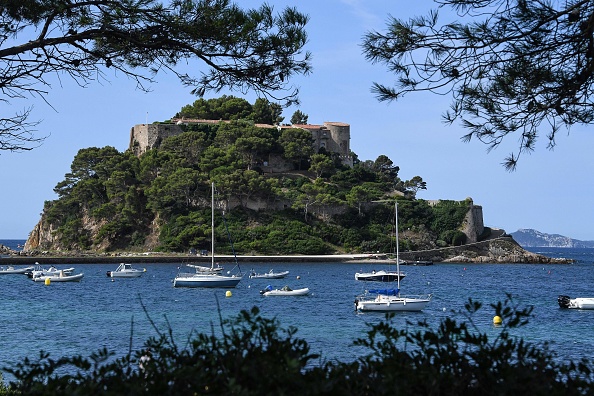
[(473, 225), (144, 137), (334, 137)]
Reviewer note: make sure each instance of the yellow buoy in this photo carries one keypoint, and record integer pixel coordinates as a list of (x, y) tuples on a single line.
[(228, 293), (47, 281), (497, 320)]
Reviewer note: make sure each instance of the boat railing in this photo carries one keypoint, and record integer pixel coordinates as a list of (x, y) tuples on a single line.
[(417, 296)]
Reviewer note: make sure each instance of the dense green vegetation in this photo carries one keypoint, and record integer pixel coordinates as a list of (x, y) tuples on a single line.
[(232, 108), (252, 355), (111, 200)]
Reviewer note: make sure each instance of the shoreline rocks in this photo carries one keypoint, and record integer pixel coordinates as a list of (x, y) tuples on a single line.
[(502, 250), (5, 250)]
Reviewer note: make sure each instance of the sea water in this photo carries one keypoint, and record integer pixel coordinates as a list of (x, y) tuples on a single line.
[(14, 244), (79, 318)]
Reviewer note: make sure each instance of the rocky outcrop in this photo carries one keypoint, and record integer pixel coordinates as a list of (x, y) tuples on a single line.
[(502, 250), (5, 250), (41, 236)]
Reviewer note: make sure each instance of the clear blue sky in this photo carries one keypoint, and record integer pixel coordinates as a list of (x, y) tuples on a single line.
[(550, 191)]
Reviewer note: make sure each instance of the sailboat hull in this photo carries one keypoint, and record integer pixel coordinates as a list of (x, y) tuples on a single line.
[(207, 280), (204, 276), (383, 303)]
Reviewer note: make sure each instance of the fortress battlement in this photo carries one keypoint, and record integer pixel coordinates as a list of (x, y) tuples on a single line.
[(333, 137)]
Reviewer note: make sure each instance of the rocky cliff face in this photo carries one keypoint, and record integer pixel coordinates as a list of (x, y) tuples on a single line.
[(496, 248), (44, 235), (41, 237)]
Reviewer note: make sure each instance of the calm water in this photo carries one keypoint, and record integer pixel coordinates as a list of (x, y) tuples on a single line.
[(14, 244), (79, 318)]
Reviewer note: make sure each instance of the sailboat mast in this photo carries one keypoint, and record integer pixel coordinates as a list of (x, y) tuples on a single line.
[(397, 248), (212, 237)]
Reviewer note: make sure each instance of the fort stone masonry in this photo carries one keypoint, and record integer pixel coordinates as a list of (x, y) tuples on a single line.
[(334, 137)]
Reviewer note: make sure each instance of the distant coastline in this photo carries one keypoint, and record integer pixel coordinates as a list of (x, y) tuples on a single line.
[(530, 238)]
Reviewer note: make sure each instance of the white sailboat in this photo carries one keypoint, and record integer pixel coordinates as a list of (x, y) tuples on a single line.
[(212, 278), (389, 300)]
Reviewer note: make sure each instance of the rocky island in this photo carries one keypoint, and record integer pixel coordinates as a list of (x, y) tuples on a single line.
[(283, 191)]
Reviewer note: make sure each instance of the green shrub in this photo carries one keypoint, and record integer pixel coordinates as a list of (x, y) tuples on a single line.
[(453, 237), (253, 355)]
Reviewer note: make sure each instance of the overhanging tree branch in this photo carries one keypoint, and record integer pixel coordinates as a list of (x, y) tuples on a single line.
[(16, 133), (510, 66), (241, 50)]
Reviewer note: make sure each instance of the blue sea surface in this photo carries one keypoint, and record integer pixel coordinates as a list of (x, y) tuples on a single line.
[(14, 244), (67, 319)]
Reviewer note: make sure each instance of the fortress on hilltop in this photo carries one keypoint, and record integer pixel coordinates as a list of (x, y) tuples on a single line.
[(334, 137)]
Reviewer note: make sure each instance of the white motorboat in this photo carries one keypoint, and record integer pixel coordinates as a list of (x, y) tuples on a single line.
[(12, 270), (125, 270), (390, 300), (40, 271), (61, 276), (576, 303), (380, 276), (205, 276), (269, 275), (284, 291)]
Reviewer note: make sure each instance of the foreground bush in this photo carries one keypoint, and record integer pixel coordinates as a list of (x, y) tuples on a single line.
[(252, 355)]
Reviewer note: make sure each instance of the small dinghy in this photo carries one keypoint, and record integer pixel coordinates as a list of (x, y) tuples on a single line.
[(284, 291), (269, 275), (576, 303), (13, 270), (40, 271), (61, 276)]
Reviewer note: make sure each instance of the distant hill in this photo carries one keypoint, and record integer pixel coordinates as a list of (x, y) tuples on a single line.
[(532, 238)]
